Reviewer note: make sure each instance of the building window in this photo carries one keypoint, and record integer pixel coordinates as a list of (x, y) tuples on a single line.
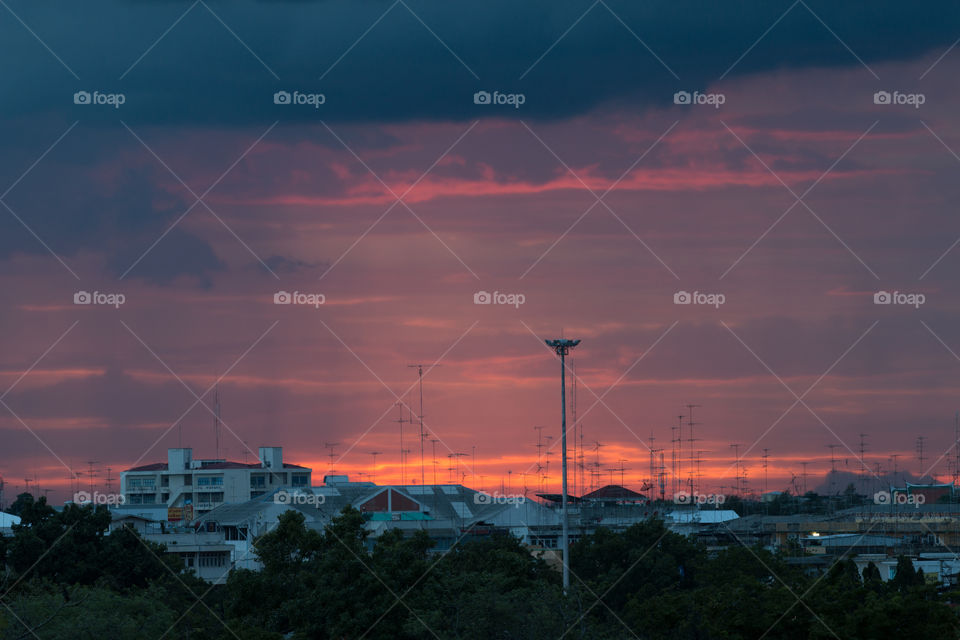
[(148, 482), (258, 481), (299, 480), (211, 559), (209, 481), (234, 533)]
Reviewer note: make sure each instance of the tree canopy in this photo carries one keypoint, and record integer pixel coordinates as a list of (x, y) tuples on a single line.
[(69, 576)]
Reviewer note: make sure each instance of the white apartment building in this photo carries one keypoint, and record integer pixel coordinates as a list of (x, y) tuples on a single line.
[(188, 488)]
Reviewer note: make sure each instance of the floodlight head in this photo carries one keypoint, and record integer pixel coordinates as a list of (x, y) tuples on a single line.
[(562, 346)]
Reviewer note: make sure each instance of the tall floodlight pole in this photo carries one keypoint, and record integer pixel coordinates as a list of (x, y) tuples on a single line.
[(562, 347)]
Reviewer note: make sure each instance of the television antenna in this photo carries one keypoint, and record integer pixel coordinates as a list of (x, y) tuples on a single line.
[(423, 435), (332, 455)]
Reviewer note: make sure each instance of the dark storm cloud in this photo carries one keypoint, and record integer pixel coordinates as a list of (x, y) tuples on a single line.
[(191, 66), (72, 208), (201, 73)]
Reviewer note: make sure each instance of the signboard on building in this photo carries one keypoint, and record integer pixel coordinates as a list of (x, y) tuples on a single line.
[(177, 514)]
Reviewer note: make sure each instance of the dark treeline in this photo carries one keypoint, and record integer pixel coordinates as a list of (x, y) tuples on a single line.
[(66, 577)]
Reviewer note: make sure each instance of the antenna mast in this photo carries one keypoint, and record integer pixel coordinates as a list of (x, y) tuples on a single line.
[(690, 441), (91, 474), (332, 454), (216, 419), (833, 466), (573, 413), (403, 467), (920, 455), (736, 453), (956, 447), (423, 435), (863, 463), (766, 484)]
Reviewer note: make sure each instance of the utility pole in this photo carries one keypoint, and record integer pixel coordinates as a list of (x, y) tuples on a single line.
[(562, 348), (374, 474)]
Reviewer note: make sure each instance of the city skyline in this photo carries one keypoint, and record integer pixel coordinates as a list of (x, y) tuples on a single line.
[(755, 216)]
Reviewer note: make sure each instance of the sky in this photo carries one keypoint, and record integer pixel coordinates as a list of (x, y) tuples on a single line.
[(747, 206)]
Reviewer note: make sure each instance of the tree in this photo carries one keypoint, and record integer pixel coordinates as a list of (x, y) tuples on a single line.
[(86, 613), (871, 575), (18, 505), (905, 576), (72, 547)]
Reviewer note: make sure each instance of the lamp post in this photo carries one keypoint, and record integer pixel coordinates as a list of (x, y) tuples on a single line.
[(562, 347)]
